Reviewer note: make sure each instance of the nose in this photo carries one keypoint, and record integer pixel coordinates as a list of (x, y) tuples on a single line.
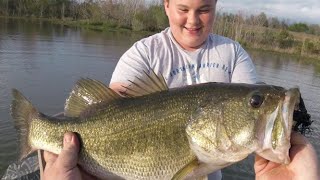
[(193, 18)]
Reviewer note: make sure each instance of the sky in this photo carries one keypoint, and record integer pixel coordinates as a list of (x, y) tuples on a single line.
[(306, 11)]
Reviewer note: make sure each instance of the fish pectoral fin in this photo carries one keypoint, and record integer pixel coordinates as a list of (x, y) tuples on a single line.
[(186, 170), (193, 170), (148, 84), (85, 94)]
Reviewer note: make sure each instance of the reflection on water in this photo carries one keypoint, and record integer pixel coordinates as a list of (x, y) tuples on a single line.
[(44, 61)]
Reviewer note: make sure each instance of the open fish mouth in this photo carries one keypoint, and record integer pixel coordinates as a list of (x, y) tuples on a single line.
[(276, 143), (281, 141), (291, 103)]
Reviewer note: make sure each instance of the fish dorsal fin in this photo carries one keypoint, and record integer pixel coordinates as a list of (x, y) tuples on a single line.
[(148, 84), (87, 92)]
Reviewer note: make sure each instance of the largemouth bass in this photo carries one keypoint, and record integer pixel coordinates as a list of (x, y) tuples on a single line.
[(157, 133)]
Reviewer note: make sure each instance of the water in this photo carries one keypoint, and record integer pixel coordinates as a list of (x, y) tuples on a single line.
[(44, 61)]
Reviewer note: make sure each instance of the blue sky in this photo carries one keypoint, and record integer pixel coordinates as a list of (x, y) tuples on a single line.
[(307, 11)]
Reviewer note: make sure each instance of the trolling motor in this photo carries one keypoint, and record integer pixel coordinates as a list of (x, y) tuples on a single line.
[(302, 119)]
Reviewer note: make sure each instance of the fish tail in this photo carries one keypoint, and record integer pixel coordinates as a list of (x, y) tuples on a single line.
[(22, 112)]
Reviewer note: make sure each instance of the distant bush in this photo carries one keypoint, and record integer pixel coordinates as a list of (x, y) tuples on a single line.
[(311, 47), (96, 23), (152, 19), (284, 39), (159, 17), (299, 27), (268, 37), (110, 23), (249, 36), (139, 22)]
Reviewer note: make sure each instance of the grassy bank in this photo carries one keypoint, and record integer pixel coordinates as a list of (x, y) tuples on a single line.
[(276, 40), (299, 44)]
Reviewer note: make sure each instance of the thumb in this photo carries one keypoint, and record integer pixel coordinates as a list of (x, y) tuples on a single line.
[(68, 157)]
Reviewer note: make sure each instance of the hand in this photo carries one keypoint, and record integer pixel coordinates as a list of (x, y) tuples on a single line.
[(64, 166), (303, 165), (119, 88)]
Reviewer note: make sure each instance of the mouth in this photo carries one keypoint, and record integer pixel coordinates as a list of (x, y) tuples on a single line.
[(291, 102), (276, 142), (193, 30)]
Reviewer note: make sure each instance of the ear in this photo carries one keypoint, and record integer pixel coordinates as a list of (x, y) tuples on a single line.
[(166, 6)]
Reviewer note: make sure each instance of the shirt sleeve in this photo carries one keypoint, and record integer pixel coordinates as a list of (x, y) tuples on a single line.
[(131, 64), (244, 70)]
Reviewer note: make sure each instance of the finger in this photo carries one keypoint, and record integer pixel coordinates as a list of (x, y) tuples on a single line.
[(87, 176), (300, 145), (49, 157), (258, 158), (68, 157), (259, 161), (298, 139)]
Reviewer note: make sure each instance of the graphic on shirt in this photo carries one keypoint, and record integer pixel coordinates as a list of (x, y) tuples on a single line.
[(192, 73)]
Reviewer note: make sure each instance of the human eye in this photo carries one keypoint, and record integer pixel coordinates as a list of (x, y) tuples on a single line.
[(183, 10), (204, 10)]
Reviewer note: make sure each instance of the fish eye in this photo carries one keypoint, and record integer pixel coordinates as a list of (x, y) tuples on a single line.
[(256, 100)]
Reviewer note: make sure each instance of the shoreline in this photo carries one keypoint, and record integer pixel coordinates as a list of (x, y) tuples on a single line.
[(112, 27)]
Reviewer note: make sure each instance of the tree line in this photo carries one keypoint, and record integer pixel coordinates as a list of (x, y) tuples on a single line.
[(270, 33), (256, 31)]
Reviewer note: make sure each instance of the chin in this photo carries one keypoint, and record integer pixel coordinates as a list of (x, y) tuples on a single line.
[(191, 46), (195, 43)]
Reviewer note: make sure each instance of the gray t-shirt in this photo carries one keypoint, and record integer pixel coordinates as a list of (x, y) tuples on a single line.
[(220, 59)]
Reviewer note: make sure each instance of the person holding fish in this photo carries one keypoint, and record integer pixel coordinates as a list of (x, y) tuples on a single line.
[(187, 53)]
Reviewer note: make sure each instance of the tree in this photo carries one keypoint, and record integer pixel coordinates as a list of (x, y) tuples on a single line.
[(284, 24), (4, 7), (274, 23), (262, 20), (284, 39), (299, 27)]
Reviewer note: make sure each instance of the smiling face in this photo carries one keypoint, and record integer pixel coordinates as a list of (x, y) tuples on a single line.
[(190, 21)]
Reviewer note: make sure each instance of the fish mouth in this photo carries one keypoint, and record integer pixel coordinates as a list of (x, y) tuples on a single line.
[(276, 143), (291, 102)]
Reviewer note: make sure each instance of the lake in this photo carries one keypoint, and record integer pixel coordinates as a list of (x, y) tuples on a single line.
[(44, 61)]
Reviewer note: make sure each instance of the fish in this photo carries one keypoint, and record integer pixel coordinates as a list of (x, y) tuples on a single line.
[(159, 133)]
